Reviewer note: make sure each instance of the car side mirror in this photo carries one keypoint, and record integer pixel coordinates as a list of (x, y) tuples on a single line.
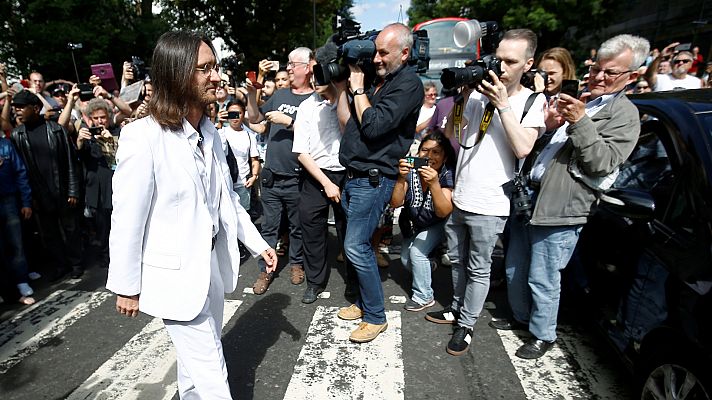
[(629, 203)]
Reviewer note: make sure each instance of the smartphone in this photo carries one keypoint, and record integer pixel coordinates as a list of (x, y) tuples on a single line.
[(95, 130), (86, 91), (275, 66), (417, 162), (233, 114), (106, 73), (252, 76), (570, 87), (683, 47)]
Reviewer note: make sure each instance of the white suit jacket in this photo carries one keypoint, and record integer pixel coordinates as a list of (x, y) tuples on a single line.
[(161, 229)]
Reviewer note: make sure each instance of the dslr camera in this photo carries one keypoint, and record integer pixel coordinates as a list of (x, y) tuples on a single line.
[(465, 34), (521, 199), (354, 48)]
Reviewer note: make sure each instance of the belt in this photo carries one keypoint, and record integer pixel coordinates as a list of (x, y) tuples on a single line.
[(353, 173), (215, 238)]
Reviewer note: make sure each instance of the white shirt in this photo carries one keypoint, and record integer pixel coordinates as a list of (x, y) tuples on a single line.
[(207, 166), (666, 82), (317, 132), (560, 137), (243, 145), (483, 169)]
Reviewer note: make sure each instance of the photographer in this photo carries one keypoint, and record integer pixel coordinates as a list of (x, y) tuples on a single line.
[(379, 127), (487, 161), (565, 172), (97, 146), (426, 194)]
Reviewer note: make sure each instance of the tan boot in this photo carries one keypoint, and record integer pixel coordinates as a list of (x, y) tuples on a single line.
[(262, 283), (297, 274), (367, 332), (350, 313)]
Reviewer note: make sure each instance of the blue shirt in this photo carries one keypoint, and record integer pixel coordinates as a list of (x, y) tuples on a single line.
[(13, 174)]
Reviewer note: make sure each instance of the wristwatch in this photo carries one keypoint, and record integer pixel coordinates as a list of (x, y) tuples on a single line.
[(359, 91)]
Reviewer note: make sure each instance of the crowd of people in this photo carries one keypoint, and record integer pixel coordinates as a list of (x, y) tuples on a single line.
[(74, 164)]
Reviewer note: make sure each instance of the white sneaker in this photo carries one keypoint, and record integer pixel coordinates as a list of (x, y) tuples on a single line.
[(34, 276), (25, 289)]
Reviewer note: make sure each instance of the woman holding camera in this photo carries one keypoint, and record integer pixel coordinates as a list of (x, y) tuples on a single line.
[(558, 65), (426, 194)]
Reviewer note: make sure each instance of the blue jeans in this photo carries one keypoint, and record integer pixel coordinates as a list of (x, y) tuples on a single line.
[(535, 258), (414, 257), (244, 194), (364, 204), (11, 238), (471, 239)]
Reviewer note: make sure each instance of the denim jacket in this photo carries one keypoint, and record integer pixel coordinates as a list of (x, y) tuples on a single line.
[(13, 175)]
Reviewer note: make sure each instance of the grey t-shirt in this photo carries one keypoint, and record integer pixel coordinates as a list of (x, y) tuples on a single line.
[(279, 157)]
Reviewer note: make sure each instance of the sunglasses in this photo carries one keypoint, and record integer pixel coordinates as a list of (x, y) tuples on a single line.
[(681, 61)]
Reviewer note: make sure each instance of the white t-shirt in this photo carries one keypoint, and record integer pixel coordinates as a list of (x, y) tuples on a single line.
[(317, 132), (666, 82), (482, 170), (244, 146)]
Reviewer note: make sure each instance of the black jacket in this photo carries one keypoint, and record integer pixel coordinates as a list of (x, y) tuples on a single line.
[(65, 167)]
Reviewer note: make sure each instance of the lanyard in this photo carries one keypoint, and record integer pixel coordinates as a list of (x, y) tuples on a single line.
[(484, 124)]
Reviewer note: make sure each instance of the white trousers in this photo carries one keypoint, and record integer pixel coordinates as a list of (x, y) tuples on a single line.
[(202, 373)]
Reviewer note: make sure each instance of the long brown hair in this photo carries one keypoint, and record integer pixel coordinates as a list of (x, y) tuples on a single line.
[(563, 57), (172, 71)]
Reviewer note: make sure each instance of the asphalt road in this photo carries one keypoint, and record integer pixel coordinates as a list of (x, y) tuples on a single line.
[(72, 344)]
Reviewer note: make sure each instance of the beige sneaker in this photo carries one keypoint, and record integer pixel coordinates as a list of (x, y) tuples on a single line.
[(367, 332), (262, 283), (350, 313), (297, 274)]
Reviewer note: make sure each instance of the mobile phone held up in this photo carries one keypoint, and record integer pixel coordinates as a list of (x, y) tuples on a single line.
[(233, 114), (570, 87), (417, 162), (252, 76)]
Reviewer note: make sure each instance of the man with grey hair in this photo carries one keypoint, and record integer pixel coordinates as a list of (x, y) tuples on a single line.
[(379, 124), (596, 133), (678, 78), (280, 175)]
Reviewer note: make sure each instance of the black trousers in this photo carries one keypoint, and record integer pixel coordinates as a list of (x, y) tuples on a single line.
[(313, 216), (61, 236)]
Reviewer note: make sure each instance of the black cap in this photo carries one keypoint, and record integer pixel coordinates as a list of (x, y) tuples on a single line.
[(25, 98)]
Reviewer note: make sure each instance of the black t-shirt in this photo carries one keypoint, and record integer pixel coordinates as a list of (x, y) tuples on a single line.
[(279, 157), (387, 127), (37, 136)]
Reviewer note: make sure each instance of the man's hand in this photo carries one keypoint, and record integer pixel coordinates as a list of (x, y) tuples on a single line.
[(570, 108), (357, 78), (552, 118), (277, 117), (669, 50), (222, 116), (496, 92), (230, 90), (332, 192), (127, 305), (99, 91), (128, 74), (83, 135), (142, 110), (26, 212), (250, 181), (270, 257), (95, 80), (72, 201), (73, 94), (264, 67)]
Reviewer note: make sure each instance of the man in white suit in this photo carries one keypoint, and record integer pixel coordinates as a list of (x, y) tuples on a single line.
[(176, 221)]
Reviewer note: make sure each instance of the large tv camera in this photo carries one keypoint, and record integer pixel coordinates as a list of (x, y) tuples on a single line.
[(465, 34), (348, 46)]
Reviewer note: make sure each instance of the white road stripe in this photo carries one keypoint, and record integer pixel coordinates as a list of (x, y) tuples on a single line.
[(397, 299), (569, 370), (27, 331), (332, 367), (145, 368)]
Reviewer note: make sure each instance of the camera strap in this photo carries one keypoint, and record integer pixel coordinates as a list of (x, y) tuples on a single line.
[(484, 124)]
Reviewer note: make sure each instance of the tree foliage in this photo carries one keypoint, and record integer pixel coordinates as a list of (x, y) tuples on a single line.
[(36, 33), (556, 22), (258, 28)]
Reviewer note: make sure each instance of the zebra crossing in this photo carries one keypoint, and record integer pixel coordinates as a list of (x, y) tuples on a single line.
[(328, 366)]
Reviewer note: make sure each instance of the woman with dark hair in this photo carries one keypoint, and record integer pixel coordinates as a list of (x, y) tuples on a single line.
[(426, 194)]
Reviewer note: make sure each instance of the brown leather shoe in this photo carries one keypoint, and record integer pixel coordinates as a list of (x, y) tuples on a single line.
[(297, 274), (367, 332), (350, 313), (381, 260), (262, 283)]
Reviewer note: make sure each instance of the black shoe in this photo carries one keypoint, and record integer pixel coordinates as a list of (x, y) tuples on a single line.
[(460, 341), (445, 316), (311, 294), (508, 325), (412, 305), (533, 349), (77, 272)]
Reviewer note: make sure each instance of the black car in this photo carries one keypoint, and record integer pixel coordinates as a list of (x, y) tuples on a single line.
[(644, 261)]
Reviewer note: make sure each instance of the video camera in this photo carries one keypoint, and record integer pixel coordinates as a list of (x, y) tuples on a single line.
[(348, 46), (465, 34)]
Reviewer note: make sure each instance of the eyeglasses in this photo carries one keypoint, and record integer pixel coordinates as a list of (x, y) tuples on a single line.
[(682, 61), (292, 64), (208, 68), (607, 73)]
